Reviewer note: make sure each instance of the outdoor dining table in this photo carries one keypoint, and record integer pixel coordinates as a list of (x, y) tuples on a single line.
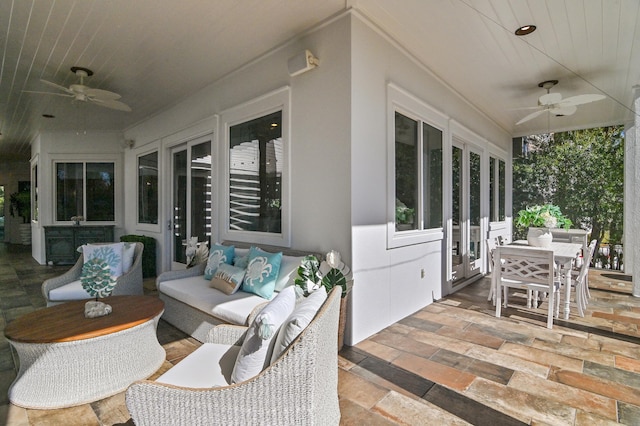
[(564, 254)]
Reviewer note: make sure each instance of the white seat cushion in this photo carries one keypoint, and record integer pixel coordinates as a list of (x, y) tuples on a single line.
[(208, 366), (71, 291), (195, 291)]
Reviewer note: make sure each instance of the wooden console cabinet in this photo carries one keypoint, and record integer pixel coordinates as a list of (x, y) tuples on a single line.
[(61, 241)]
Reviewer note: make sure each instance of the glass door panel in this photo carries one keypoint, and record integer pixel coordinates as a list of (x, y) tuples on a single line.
[(191, 197), (179, 214), (457, 264), (475, 236), (201, 192), (466, 233)]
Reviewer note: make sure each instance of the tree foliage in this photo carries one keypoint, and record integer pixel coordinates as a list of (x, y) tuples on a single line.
[(580, 171)]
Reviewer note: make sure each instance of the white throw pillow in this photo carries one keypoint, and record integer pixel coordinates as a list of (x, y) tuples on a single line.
[(299, 319), (255, 353), (288, 271), (127, 256)]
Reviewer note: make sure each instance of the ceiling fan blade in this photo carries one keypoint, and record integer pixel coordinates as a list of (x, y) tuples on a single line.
[(57, 86), (531, 116), (66, 95), (111, 103), (561, 110), (549, 99), (580, 99), (101, 94)]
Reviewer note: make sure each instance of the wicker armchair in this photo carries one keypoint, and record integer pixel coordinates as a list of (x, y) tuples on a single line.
[(127, 283), (300, 387)]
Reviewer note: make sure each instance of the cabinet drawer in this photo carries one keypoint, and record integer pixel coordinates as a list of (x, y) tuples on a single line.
[(61, 242)]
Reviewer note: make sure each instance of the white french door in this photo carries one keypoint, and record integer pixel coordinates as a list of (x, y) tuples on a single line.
[(191, 205), (465, 247)]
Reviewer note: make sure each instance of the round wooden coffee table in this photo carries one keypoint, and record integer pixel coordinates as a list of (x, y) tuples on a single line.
[(67, 359)]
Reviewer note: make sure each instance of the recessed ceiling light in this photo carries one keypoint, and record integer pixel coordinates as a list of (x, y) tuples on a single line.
[(525, 29), (48, 116)]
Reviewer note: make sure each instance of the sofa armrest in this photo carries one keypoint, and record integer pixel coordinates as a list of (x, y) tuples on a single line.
[(181, 273), (300, 387), (71, 275), (254, 313), (131, 281), (227, 334)]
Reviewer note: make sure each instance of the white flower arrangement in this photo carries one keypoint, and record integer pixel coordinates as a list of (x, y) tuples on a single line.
[(196, 252)]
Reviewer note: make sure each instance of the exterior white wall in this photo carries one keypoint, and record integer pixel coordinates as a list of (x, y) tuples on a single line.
[(320, 152), (338, 160), (388, 283), (11, 172), (69, 146)]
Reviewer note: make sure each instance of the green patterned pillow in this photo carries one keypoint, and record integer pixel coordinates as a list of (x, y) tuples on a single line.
[(102, 266), (96, 278), (109, 253), (262, 272)]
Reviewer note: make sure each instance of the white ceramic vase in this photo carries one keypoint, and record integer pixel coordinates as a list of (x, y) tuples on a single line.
[(25, 234), (539, 237)]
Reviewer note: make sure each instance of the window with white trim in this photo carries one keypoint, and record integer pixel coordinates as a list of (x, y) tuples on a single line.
[(257, 170), (416, 167), (497, 192), (85, 189), (148, 188)]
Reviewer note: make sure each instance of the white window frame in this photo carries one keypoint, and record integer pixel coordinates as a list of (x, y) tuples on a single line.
[(278, 100), (496, 195), (117, 194), (399, 100), (35, 181), (154, 227)]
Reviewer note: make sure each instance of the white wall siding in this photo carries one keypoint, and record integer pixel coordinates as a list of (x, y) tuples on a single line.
[(68, 147), (390, 283), (320, 150)]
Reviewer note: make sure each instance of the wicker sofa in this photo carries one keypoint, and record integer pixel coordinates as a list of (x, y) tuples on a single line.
[(192, 306), (129, 283), (299, 387)]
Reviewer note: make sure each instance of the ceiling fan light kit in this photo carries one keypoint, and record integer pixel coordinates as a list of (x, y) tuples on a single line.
[(82, 93), (553, 103)]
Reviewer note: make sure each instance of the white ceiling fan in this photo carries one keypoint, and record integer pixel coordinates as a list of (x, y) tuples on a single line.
[(553, 103), (80, 92)]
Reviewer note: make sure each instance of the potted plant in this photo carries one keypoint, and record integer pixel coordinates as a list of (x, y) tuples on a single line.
[(404, 216), (329, 273), (539, 219), (20, 205)]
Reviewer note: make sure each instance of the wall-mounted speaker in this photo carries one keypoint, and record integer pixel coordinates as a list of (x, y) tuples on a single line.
[(302, 62)]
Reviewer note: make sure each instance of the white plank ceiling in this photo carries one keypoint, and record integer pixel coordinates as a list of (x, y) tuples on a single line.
[(157, 52)]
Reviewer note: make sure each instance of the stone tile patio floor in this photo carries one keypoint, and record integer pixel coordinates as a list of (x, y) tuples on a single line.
[(451, 363)]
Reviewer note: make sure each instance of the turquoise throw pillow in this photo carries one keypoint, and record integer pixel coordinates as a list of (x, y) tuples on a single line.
[(262, 272), (218, 254)]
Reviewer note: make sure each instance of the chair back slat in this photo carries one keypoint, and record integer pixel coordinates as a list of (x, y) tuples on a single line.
[(533, 266)]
